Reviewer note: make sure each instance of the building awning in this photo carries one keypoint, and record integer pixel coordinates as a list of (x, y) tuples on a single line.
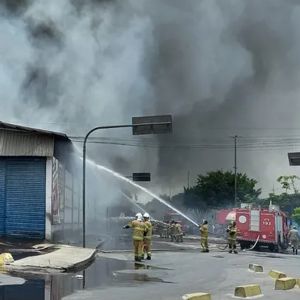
[(231, 216)]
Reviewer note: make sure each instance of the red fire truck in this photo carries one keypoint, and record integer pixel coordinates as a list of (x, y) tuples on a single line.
[(262, 227)]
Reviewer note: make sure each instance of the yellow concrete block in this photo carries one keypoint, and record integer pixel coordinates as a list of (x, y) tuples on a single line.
[(276, 274), (245, 291), (256, 268), (7, 258), (197, 296), (1, 261), (286, 283), (298, 282)]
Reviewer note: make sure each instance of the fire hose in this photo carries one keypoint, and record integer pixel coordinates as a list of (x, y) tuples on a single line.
[(245, 250)]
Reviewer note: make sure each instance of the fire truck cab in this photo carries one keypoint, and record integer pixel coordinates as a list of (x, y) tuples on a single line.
[(262, 227)]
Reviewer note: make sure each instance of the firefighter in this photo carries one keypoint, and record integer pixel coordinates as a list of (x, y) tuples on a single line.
[(139, 228), (179, 232), (172, 231), (204, 236), (294, 239), (148, 235), (232, 231), (167, 229)]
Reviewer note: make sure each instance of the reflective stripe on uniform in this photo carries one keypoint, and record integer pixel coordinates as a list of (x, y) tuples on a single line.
[(139, 228), (137, 238)]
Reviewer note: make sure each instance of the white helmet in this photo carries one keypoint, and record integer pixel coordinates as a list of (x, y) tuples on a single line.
[(146, 215), (139, 216)]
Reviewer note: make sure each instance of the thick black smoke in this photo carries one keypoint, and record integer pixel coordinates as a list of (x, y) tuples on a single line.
[(221, 68)]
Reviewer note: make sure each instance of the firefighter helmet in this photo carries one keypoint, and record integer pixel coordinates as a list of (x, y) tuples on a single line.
[(138, 216)]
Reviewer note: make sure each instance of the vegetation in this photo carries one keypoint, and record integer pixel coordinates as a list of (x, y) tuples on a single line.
[(215, 190), (296, 215)]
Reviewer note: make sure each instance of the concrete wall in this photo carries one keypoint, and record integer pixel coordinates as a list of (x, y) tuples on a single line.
[(66, 205)]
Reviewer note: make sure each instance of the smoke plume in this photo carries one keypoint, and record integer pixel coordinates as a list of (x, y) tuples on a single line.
[(221, 68)]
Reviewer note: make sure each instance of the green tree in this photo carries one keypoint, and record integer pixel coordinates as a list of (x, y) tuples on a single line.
[(286, 200), (282, 200), (287, 182), (216, 188), (296, 215), (192, 201)]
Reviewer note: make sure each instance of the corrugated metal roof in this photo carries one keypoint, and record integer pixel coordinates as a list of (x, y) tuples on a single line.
[(19, 143), (8, 126)]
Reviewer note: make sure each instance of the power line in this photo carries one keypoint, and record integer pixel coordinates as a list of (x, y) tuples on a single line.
[(202, 128), (203, 146)]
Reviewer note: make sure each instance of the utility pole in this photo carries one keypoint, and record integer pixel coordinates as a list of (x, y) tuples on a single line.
[(235, 170), (188, 178)]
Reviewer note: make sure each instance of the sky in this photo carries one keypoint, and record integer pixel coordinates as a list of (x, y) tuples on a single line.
[(220, 67)]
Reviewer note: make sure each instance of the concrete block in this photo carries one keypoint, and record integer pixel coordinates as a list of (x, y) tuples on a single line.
[(298, 282), (7, 258), (197, 296), (1, 261), (256, 268), (276, 274), (286, 283), (245, 291)]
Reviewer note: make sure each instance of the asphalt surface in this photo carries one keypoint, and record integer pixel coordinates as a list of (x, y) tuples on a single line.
[(170, 275)]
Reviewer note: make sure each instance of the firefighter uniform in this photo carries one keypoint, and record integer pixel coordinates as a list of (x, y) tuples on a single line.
[(139, 228), (148, 235), (179, 232), (172, 231), (204, 236), (232, 232), (294, 239), (168, 229)]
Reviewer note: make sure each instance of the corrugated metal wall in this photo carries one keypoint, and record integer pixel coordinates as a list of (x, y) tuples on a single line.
[(14, 143), (2, 197)]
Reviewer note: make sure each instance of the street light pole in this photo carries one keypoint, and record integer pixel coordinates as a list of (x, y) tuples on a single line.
[(235, 169), (84, 161)]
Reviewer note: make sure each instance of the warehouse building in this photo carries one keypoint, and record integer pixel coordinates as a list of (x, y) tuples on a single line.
[(40, 192)]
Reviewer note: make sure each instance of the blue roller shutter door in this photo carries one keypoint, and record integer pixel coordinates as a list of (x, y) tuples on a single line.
[(2, 197), (25, 198)]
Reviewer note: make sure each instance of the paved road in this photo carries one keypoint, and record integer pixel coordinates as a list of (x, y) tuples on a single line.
[(216, 272), (168, 276)]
